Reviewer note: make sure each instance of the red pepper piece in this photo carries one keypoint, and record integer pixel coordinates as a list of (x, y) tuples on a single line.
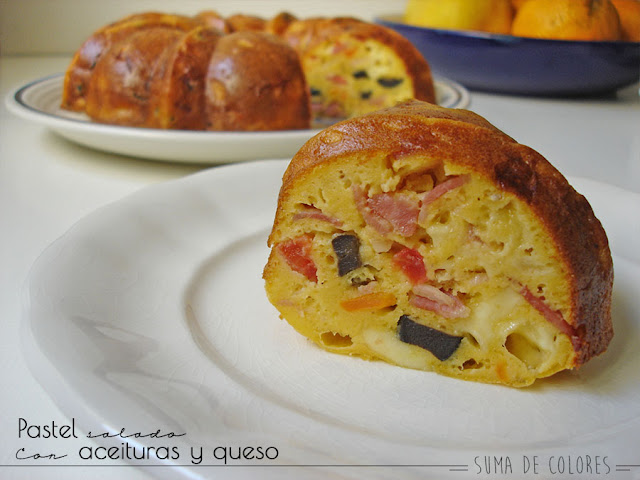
[(297, 254), (411, 263)]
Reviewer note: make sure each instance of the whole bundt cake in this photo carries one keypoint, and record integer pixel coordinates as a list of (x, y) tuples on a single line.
[(242, 72), (426, 237)]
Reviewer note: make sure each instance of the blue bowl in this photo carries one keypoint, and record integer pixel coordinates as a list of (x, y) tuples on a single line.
[(524, 66)]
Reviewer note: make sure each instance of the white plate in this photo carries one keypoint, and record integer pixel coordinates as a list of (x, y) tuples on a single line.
[(39, 101), (150, 313)]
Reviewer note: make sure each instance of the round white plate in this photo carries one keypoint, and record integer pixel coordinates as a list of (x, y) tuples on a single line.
[(151, 313), (39, 101)]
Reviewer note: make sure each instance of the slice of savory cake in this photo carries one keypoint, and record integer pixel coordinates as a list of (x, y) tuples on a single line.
[(427, 238)]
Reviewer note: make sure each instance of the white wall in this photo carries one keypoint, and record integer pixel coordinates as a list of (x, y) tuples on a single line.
[(59, 26)]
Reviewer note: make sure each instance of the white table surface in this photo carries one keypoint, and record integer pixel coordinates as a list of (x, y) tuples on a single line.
[(47, 184)]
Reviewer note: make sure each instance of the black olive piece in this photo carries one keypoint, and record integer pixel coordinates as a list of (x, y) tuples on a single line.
[(366, 95), (360, 74), (347, 248), (390, 82), (315, 92), (441, 344)]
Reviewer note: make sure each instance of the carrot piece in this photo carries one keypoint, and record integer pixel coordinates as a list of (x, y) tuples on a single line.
[(370, 301)]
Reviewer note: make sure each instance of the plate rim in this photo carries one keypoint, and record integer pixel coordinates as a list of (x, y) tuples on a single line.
[(245, 144)]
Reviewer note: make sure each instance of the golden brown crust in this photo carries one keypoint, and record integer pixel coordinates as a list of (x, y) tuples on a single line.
[(153, 78), (304, 34), (246, 94), (79, 72), (280, 23), (213, 19), (579, 237), (241, 22), (126, 75), (468, 140), (162, 77), (181, 102)]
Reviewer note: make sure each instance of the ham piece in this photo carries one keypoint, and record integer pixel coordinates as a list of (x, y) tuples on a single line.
[(439, 190), (442, 303), (554, 317), (387, 212), (309, 211)]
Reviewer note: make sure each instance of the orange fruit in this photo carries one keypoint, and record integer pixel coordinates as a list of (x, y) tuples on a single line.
[(494, 16), (568, 20), (517, 3), (629, 11)]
